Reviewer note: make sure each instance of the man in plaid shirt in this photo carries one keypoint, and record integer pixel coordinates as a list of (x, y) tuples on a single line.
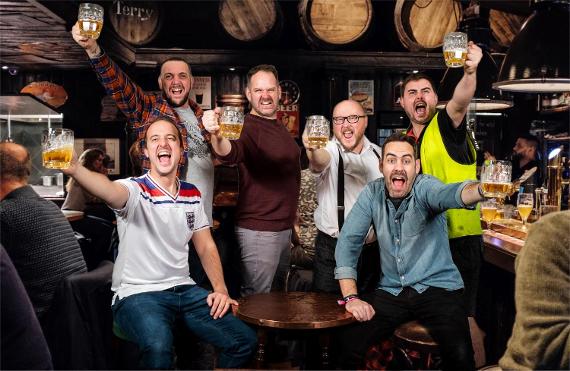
[(141, 107)]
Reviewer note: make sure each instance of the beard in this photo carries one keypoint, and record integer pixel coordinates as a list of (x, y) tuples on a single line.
[(174, 104)]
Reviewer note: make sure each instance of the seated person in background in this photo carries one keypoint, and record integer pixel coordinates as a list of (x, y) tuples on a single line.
[(34, 232), (78, 198), (23, 344), (541, 333), (157, 214), (419, 280), (135, 156)]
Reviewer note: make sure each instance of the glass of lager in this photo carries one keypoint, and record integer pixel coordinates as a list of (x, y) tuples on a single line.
[(318, 131), (525, 202), (496, 178), (455, 49), (90, 20), (57, 148), (488, 211), (231, 122)]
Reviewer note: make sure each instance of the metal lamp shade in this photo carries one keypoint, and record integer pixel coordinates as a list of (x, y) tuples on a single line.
[(539, 58)]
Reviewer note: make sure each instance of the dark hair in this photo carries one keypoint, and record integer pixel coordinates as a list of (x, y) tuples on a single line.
[(87, 158), (402, 137), (416, 77), (531, 140), (12, 165), (262, 67), (149, 123), (173, 59)]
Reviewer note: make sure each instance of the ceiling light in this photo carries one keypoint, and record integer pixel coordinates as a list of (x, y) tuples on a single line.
[(538, 60)]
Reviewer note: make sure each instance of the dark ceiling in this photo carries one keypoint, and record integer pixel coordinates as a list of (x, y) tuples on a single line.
[(34, 34)]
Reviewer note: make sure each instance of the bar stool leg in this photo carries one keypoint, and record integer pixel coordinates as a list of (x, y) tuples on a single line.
[(259, 361), (325, 342)]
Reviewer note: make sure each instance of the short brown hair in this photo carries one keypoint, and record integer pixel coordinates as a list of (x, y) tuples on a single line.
[(149, 123), (173, 59), (262, 67), (416, 77), (402, 137), (12, 165)]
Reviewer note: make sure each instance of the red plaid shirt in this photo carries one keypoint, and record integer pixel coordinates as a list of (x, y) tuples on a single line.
[(141, 107)]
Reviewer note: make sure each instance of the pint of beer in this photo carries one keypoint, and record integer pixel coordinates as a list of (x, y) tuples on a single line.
[(57, 148), (231, 122), (455, 49), (90, 20), (496, 178), (318, 131)]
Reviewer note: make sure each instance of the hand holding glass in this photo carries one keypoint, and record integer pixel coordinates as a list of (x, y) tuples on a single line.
[(318, 131), (496, 178), (90, 20), (455, 49), (525, 202), (231, 122), (57, 148)]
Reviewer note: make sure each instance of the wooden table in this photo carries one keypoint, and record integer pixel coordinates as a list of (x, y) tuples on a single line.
[(293, 311), (73, 215)]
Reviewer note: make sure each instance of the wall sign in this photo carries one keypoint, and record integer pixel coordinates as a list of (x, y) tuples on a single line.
[(201, 92), (362, 91)]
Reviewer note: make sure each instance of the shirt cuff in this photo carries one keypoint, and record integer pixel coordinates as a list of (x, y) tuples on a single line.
[(345, 272), (458, 195)]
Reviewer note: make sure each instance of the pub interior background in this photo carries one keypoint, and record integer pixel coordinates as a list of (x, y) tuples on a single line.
[(36, 45)]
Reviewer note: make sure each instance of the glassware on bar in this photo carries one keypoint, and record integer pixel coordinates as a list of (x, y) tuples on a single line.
[(525, 203), (496, 178)]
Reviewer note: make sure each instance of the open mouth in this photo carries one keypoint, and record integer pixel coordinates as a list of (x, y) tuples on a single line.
[(421, 108), (176, 91), (266, 103), (348, 134), (398, 181), (164, 157)]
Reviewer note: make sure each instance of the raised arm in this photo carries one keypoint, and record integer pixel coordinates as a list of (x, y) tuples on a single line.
[(99, 185), (219, 300), (465, 89)]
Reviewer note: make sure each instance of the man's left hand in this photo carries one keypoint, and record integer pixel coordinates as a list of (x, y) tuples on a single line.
[(474, 55), (219, 303)]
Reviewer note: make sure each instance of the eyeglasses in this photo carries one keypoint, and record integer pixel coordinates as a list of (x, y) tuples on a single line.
[(352, 119)]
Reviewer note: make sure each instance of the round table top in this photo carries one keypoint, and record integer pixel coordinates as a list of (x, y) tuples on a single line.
[(293, 310)]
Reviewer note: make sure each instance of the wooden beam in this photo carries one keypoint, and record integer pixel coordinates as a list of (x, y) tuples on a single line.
[(398, 61)]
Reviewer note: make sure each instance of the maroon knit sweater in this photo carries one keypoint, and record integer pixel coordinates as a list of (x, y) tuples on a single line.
[(269, 175)]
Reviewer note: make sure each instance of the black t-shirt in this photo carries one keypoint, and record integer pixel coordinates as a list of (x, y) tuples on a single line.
[(456, 140)]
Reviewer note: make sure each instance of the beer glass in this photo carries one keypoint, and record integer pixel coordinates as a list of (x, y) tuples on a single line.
[(496, 178), (57, 148), (488, 211), (455, 49), (90, 20), (525, 202), (231, 122), (318, 131)]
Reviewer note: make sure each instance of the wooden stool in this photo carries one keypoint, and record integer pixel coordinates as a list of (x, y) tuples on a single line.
[(416, 345)]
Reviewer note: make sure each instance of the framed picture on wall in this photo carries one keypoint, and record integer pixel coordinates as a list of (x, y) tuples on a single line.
[(396, 94), (201, 92), (362, 91), (111, 146)]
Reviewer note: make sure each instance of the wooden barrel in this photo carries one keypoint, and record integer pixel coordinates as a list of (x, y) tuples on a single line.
[(328, 24), (236, 100), (136, 22), (249, 20), (422, 24), (505, 26)]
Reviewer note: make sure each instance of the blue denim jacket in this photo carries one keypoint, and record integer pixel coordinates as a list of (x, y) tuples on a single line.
[(414, 248)]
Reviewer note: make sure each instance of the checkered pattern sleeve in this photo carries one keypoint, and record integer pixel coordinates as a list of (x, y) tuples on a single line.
[(130, 98)]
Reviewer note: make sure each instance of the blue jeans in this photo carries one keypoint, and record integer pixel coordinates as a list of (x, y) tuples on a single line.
[(147, 319)]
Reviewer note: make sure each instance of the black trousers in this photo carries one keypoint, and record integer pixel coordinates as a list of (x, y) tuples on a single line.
[(442, 312), (368, 266)]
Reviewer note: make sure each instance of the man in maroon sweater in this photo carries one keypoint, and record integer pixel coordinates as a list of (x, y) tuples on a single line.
[(269, 181)]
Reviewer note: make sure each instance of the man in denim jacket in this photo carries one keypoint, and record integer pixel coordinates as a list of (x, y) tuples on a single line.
[(419, 280)]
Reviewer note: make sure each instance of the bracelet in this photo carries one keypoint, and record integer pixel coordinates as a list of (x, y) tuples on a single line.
[(480, 190), (347, 299)]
